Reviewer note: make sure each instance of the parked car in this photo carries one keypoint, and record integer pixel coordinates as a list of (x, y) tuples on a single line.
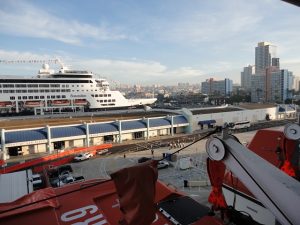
[(64, 168), (64, 174), (83, 156), (102, 151), (68, 180), (162, 164), (143, 159), (61, 179), (37, 180), (65, 180), (59, 170)]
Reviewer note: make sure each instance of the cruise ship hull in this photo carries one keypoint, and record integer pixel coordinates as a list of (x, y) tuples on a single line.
[(64, 90)]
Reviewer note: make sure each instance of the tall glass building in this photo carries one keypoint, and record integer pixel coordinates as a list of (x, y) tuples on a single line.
[(282, 85), (264, 54), (246, 75)]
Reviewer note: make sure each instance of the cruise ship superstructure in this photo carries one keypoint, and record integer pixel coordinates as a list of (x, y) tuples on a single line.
[(66, 88)]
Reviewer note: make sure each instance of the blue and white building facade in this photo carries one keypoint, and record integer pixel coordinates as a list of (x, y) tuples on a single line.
[(52, 138)]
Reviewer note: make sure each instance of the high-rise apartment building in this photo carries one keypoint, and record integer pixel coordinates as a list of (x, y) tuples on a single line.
[(296, 83), (217, 87), (269, 83), (246, 77), (275, 62), (264, 54), (281, 85), (275, 86), (258, 88)]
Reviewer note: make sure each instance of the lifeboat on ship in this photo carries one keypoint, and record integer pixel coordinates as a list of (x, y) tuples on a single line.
[(6, 104), (80, 102), (97, 201), (60, 102), (31, 104)]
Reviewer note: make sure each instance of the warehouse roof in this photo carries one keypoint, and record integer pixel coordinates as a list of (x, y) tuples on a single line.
[(214, 110), (103, 128), (57, 132), (256, 105), (25, 135), (94, 128)]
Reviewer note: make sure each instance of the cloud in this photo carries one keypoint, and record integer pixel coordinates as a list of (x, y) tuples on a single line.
[(292, 64), (291, 61), (23, 19), (210, 25), (16, 55), (183, 40), (123, 71), (18, 67), (207, 28), (135, 71)]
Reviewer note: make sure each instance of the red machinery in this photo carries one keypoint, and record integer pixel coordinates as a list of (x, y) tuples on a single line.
[(277, 193)]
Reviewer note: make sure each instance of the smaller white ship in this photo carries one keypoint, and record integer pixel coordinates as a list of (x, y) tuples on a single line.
[(66, 88)]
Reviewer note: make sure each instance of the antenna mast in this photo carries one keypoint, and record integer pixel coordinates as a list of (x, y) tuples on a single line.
[(39, 61)]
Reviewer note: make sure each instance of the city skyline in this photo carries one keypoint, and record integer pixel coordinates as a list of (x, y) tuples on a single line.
[(148, 42)]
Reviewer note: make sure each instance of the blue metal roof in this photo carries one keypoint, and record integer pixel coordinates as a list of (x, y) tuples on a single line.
[(132, 125), (102, 128), (58, 132), (179, 120), (25, 135), (159, 122), (80, 130)]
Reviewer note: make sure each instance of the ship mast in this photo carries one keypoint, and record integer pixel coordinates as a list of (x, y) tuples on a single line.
[(45, 68), (39, 61)]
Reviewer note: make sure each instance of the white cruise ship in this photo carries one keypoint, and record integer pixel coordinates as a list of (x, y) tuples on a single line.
[(65, 89)]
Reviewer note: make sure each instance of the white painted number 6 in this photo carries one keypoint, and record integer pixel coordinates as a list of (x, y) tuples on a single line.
[(78, 213)]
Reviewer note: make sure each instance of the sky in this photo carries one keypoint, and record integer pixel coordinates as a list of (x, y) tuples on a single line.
[(148, 42)]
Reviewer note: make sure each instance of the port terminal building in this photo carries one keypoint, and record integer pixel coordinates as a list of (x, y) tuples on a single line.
[(51, 139)]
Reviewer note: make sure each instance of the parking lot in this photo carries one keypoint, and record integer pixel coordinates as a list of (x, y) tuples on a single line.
[(101, 166)]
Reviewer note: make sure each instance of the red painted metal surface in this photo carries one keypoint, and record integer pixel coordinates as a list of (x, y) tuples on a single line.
[(2, 162), (89, 202), (273, 146), (57, 162), (265, 143)]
